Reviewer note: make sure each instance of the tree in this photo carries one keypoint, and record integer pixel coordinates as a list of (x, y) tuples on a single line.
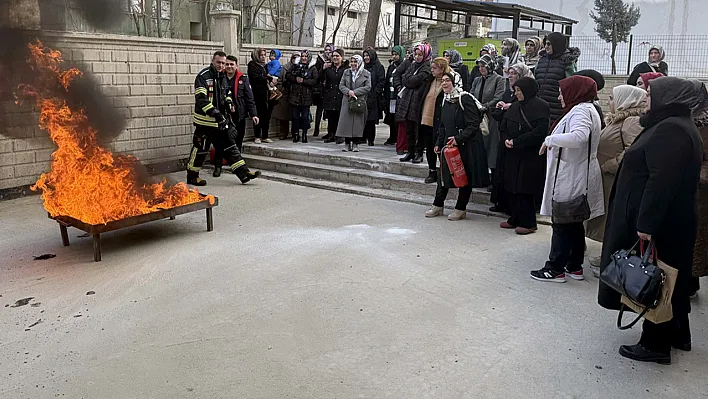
[(372, 23), (614, 21)]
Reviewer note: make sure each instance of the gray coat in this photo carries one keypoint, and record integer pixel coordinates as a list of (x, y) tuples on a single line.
[(351, 124), (493, 92)]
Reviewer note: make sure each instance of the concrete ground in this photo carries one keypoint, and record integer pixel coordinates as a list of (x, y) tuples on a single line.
[(305, 293)]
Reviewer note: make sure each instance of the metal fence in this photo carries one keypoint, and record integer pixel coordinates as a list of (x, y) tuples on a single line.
[(687, 56)]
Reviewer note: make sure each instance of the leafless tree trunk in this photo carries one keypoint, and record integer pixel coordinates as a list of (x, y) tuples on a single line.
[(147, 16), (302, 22), (372, 23), (344, 6), (324, 24)]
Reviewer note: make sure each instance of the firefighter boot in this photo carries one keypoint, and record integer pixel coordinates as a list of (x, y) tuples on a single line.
[(246, 175), (193, 179), (217, 171)]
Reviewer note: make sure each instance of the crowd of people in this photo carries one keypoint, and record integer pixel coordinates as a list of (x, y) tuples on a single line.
[(527, 127)]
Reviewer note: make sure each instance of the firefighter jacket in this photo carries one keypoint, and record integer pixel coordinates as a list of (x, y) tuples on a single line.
[(212, 97)]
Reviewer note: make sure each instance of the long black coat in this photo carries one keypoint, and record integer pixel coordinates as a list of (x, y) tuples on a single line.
[(523, 170), (655, 193), (644, 67), (258, 78), (390, 92), (374, 102), (461, 121), (302, 94), (416, 82), (331, 95), (551, 69)]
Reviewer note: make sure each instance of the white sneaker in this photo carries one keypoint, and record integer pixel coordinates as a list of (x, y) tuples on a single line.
[(434, 211), (257, 141), (356, 148), (267, 141), (457, 215)]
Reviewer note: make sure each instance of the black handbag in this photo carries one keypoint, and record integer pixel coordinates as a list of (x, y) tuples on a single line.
[(637, 278), (357, 105), (577, 210)]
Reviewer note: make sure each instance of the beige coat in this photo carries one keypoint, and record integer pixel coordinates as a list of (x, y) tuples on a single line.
[(620, 132)]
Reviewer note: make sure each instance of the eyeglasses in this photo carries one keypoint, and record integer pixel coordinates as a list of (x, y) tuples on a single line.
[(446, 80)]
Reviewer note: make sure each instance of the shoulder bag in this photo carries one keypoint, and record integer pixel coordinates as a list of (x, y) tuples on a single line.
[(577, 210), (637, 278)]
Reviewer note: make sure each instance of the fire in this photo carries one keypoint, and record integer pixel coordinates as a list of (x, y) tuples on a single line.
[(86, 181)]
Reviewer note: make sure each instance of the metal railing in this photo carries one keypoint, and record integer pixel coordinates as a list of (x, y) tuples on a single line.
[(687, 56)]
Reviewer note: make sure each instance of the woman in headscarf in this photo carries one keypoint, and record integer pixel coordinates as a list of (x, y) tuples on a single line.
[(645, 78), (375, 100), (655, 63), (557, 63), (458, 119), (303, 79), (355, 84), (700, 251), (415, 84), (427, 128), (523, 129), (498, 197), (627, 104), (488, 49), (489, 89), (654, 199), (391, 96), (533, 51), (330, 77), (574, 140), (281, 111), (260, 79), (324, 59), (511, 52), (454, 58)]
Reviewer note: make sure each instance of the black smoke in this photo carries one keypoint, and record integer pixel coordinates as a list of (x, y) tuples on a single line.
[(83, 92)]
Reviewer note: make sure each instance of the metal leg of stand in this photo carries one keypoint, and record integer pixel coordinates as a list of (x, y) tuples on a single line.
[(64, 235), (210, 220), (96, 247)]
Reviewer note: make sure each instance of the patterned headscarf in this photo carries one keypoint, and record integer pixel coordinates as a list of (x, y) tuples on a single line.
[(454, 96), (511, 49), (661, 51), (360, 62), (305, 52), (522, 70), (255, 55), (426, 50), (490, 48), (455, 58)]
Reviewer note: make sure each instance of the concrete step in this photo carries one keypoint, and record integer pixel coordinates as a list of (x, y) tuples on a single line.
[(378, 158), (393, 195), (355, 176)]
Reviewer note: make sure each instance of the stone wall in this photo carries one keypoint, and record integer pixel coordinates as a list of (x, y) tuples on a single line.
[(150, 80)]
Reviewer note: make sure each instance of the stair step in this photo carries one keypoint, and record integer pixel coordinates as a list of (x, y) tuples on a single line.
[(373, 192), (356, 176), (377, 158)]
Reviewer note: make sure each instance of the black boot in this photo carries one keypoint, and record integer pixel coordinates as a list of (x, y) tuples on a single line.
[(296, 138), (193, 179), (432, 177), (304, 136), (641, 354), (418, 159), (217, 171), (681, 334), (409, 157), (246, 175)]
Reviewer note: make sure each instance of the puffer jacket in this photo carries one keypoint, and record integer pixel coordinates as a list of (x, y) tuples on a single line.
[(549, 72), (330, 78), (416, 82)]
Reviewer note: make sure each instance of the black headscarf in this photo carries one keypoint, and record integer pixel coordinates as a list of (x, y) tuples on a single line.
[(669, 96), (558, 42), (373, 59), (533, 107)]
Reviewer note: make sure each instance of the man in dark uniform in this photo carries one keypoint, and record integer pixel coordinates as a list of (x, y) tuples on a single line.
[(212, 123), (244, 107)]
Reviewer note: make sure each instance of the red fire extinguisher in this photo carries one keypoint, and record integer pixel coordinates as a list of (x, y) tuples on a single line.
[(455, 165)]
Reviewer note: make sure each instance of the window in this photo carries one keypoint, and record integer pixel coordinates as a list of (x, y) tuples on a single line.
[(351, 14), (420, 26), (263, 20), (195, 30), (387, 18), (331, 11)]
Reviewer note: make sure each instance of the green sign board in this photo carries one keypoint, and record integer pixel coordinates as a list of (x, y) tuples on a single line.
[(469, 48)]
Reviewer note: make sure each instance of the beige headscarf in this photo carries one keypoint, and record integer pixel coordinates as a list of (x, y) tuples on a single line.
[(255, 55), (629, 101)]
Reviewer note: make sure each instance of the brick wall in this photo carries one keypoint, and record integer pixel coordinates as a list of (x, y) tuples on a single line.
[(150, 80)]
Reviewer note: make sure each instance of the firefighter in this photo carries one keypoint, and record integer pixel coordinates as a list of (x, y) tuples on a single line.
[(244, 107), (212, 123)]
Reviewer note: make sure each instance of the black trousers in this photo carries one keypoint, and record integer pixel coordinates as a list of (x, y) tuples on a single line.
[(370, 131), (567, 247), (425, 134), (522, 210), (318, 119), (393, 133), (301, 119), (201, 142), (333, 122), (260, 131), (238, 135), (353, 140), (658, 337), (413, 138), (463, 197)]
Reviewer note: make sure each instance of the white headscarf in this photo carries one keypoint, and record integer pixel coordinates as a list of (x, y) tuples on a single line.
[(661, 58), (626, 97), (360, 62)]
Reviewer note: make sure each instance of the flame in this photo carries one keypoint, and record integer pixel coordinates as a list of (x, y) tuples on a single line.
[(86, 181)]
